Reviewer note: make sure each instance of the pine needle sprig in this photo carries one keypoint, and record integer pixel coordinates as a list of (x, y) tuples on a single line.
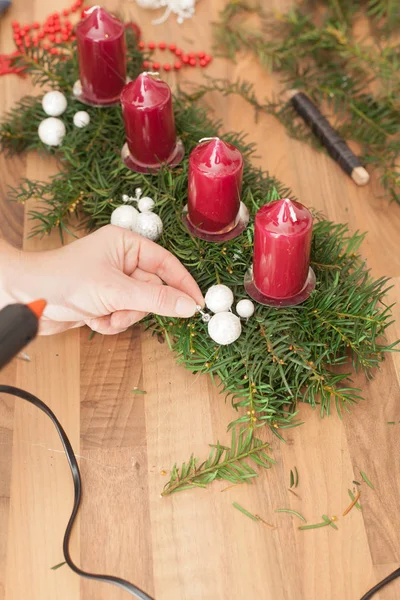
[(227, 463), (355, 82)]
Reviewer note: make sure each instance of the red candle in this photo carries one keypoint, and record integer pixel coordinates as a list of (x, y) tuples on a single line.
[(149, 121), (215, 184), (102, 56), (282, 243)]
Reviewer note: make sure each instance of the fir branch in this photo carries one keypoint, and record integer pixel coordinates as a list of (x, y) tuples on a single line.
[(225, 463), (319, 54)]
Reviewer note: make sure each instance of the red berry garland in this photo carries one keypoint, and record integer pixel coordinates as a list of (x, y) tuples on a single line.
[(38, 35)]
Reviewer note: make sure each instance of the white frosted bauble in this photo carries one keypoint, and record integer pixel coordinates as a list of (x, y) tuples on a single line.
[(125, 198), (245, 308), (51, 131), (148, 3), (124, 216), (146, 204), (186, 4), (54, 103), (224, 328), (219, 298), (149, 225), (81, 119)]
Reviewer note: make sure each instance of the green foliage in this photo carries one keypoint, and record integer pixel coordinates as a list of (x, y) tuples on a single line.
[(318, 51), (284, 356), (230, 464)]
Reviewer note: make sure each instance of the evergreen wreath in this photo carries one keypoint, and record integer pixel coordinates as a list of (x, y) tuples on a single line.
[(284, 356)]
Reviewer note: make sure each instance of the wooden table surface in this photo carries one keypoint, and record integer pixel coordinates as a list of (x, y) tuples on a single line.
[(193, 545)]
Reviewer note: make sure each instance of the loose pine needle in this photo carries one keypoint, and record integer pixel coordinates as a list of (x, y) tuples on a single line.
[(327, 521), (291, 478), (294, 493), (330, 522), (367, 481), (357, 504), (229, 487), (356, 482), (245, 512), (391, 422), (136, 391), (352, 504), (296, 477), (314, 526), (291, 512), (265, 522), (56, 567)]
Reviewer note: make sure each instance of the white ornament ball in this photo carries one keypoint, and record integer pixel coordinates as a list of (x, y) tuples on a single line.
[(51, 131), (81, 119), (54, 103), (148, 3), (124, 216), (125, 198), (146, 204), (149, 225), (224, 328), (245, 309), (219, 298)]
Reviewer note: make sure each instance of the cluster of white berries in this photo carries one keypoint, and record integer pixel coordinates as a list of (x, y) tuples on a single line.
[(184, 9), (225, 327), (52, 130), (141, 220)]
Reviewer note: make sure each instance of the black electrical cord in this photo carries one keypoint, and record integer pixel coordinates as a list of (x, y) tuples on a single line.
[(381, 584), (76, 476)]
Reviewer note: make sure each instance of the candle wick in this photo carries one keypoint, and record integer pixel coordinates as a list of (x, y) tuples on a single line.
[(207, 139), (154, 74)]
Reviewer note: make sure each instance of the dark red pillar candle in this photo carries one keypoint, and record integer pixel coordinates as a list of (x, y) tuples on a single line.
[(282, 243), (102, 56), (215, 185), (149, 120)]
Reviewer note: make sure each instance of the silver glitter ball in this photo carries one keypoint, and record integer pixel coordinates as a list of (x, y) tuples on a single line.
[(149, 225)]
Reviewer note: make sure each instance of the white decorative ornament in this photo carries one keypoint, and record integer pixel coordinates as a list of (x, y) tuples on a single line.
[(51, 131), (184, 9), (245, 308), (125, 216), (219, 298), (224, 328), (54, 103), (81, 119), (146, 204), (149, 225)]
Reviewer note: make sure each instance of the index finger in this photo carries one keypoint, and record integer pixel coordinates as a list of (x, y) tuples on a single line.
[(156, 259)]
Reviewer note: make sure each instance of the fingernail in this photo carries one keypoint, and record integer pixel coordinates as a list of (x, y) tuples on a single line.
[(185, 307)]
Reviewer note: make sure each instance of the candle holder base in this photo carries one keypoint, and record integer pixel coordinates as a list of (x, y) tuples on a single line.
[(77, 92), (134, 165), (259, 297), (241, 225)]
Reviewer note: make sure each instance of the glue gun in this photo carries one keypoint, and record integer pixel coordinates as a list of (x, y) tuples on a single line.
[(19, 324)]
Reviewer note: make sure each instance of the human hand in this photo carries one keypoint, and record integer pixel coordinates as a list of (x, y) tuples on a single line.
[(108, 280)]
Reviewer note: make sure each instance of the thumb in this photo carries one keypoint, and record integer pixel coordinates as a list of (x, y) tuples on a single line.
[(152, 298)]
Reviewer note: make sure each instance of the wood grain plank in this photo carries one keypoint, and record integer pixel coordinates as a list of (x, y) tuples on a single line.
[(193, 545), (115, 513)]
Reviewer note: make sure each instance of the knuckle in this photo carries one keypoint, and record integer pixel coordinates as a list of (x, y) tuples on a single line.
[(161, 298)]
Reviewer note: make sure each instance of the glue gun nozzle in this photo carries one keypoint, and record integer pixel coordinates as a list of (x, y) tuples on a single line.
[(37, 307)]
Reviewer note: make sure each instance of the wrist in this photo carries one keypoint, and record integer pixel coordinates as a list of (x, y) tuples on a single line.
[(11, 274), (9, 259)]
